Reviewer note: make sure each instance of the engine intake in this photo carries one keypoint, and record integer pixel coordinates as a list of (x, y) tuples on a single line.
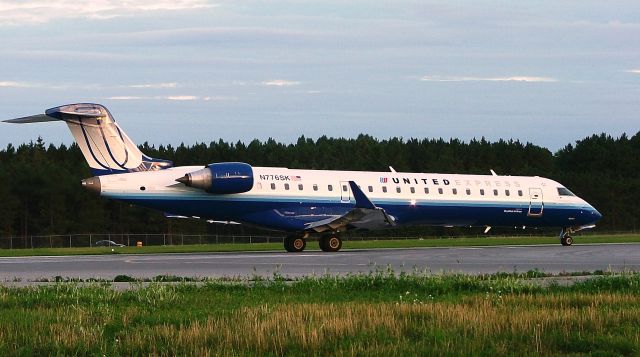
[(221, 178)]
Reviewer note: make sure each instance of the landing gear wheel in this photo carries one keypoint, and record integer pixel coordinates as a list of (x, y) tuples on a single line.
[(294, 244), (330, 243), (566, 240)]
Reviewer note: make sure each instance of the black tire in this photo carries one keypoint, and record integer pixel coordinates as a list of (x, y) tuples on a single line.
[(330, 243), (566, 240), (294, 244)]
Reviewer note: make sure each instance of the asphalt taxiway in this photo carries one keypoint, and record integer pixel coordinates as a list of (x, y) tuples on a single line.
[(471, 260)]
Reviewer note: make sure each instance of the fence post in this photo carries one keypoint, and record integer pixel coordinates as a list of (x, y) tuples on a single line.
[(182, 239)]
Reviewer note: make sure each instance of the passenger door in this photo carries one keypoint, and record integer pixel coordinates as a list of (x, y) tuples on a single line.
[(536, 202), (345, 191)]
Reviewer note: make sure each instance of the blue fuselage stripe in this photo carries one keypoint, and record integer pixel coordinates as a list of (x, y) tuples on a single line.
[(292, 213)]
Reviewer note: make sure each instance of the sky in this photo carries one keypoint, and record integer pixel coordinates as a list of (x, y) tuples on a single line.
[(187, 71)]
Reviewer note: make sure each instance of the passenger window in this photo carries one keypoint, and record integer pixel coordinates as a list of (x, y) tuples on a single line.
[(344, 188), (412, 189), (273, 186), (384, 189), (520, 193), (440, 191), (315, 187), (506, 192), (468, 192), (286, 186), (330, 187), (482, 192), (495, 192), (370, 188), (455, 191), (398, 190), (426, 190), (300, 186)]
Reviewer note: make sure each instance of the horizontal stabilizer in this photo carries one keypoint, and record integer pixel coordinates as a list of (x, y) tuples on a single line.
[(31, 119)]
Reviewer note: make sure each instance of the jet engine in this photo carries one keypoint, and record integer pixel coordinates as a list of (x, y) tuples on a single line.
[(221, 178)]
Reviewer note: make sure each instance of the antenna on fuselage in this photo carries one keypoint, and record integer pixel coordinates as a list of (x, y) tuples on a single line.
[(493, 173), (392, 169)]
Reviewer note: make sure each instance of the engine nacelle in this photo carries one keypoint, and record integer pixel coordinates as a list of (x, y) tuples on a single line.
[(221, 178)]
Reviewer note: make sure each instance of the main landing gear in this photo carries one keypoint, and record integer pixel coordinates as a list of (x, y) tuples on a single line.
[(328, 243), (565, 237), (294, 244)]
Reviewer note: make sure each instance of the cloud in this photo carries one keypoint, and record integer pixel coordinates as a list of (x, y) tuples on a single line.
[(182, 97), (16, 12), (171, 97), (219, 98), (15, 84), (280, 83), (634, 71), (12, 84), (155, 85), (488, 79), (126, 97)]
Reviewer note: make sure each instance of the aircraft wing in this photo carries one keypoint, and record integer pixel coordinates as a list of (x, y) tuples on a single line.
[(364, 215)]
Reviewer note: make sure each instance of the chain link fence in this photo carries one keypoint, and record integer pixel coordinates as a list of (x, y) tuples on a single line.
[(157, 239), (152, 239), (89, 240)]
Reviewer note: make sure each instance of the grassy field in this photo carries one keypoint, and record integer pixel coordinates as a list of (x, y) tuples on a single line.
[(312, 245), (376, 314)]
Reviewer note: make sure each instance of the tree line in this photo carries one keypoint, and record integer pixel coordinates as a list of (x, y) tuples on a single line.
[(40, 192)]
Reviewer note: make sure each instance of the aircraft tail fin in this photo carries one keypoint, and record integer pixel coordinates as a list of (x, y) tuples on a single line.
[(107, 149)]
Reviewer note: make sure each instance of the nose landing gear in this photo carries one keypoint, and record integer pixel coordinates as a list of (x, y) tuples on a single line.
[(566, 240), (565, 237)]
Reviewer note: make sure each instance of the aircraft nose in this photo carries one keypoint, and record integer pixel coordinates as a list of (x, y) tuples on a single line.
[(596, 215)]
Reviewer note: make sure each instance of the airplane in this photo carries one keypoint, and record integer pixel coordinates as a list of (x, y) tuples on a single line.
[(312, 203)]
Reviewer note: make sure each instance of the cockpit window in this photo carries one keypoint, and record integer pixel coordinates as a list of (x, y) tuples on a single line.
[(563, 191)]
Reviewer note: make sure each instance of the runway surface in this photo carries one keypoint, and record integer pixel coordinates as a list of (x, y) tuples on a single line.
[(472, 260)]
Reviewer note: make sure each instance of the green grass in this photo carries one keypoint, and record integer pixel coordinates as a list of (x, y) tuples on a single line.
[(312, 245), (381, 313)]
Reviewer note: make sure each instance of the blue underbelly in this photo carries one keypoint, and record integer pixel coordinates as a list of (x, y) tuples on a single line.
[(293, 215)]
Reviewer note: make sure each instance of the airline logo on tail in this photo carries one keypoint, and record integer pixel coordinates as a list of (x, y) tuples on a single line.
[(107, 149)]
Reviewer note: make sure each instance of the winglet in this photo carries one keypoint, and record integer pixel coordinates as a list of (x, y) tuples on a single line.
[(362, 201)]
